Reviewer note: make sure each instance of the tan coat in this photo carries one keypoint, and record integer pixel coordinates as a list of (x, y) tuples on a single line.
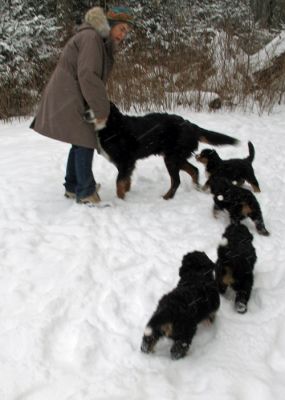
[(77, 83)]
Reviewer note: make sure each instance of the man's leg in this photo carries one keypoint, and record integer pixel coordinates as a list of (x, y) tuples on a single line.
[(70, 177), (86, 185)]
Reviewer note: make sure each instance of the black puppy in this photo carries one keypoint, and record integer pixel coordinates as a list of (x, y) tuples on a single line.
[(234, 267), (235, 169), (239, 202), (196, 298), (126, 139)]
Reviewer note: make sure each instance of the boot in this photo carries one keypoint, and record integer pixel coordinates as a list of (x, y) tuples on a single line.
[(92, 199), (72, 195)]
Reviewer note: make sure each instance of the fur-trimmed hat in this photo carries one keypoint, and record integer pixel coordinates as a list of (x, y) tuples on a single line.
[(97, 19), (120, 14)]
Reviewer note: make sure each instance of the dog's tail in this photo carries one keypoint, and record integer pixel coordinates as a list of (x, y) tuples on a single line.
[(214, 138), (251, 150)]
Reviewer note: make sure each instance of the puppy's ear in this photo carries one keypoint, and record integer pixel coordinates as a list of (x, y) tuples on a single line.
[(205, 262), (186, 264)]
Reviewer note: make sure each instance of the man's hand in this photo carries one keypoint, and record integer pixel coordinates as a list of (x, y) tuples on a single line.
[(99, 123)]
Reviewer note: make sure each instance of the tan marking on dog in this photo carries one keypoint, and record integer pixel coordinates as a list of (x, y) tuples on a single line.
[(168, 195), (215, 212), (152, 346), (202, 160), (167, 329), (228, 277), (256, 189), (211, 318), (128, 184), (122, 188), (191, 171), (246, 209), (202, 139)]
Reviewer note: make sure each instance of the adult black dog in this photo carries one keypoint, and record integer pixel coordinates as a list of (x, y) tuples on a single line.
[(234, 169), (125, 139), (235, 264), (196, 298)]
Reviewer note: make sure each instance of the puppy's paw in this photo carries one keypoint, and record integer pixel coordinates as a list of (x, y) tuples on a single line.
[(205, 188), (179, 350), (241, 307), (198, 187), (211, 318), (149, 340), (263, 232), (146, 346)]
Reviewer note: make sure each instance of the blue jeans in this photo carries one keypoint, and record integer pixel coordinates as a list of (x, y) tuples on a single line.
[(79, 177)]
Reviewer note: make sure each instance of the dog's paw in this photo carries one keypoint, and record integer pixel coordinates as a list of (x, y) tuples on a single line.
[(146, 347), (198, 187), (100, 123), (261, 228), (240, 307), (148, 344), (211, 318), (205, 188), (263, 232), (148, 341), (216, 213), (179, 350)]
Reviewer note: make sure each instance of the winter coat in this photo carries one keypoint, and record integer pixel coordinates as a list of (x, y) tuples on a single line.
[(77, 83)]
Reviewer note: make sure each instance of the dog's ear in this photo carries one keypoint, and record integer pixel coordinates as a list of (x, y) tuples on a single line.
[(186, 264), (229, 231), (205, 262)]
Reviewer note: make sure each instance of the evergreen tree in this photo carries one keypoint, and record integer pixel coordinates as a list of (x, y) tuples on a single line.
[(27, 37)]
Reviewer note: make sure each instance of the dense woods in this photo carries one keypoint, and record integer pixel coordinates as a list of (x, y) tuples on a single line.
[(189, 52)]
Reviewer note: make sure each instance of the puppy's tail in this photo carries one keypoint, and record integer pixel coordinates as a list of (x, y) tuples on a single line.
[(251, 150), (214, 138)]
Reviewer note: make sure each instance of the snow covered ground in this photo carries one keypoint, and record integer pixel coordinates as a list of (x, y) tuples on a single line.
[(79, 284)]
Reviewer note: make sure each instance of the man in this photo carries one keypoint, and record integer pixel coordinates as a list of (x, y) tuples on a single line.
[(78, 83)]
